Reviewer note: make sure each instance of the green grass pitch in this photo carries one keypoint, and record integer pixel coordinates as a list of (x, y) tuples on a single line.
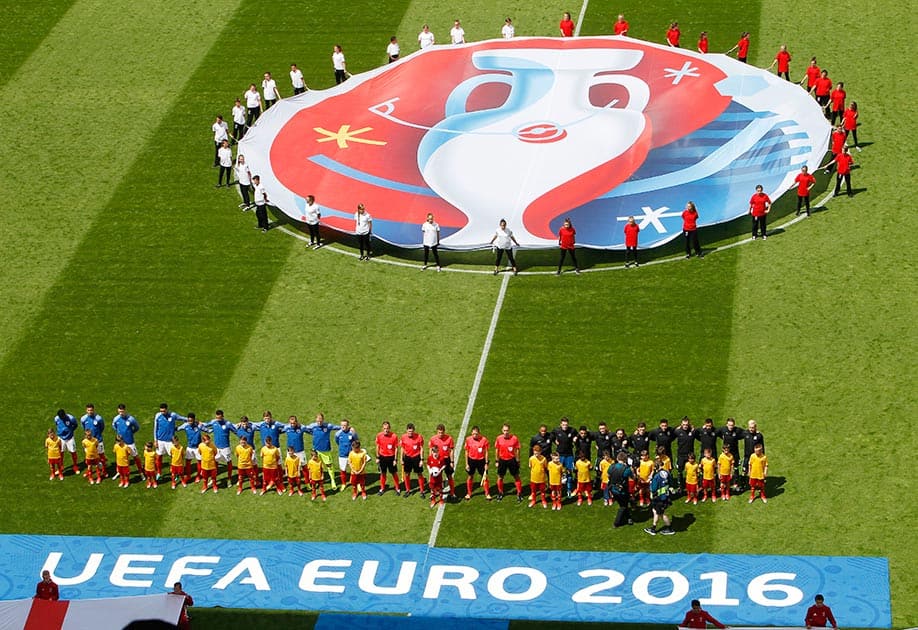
[(128, 278)]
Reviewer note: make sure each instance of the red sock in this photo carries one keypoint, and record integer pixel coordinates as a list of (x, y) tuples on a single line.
[(104, 460), (159, 464), (500, 486), (468, 486), (343, 479), (407, 483), (73, 456), (200, 471), (519, 486), (382, 483), (229, 472), (395, 477), (421, 482), (487, 487), (452, 486)]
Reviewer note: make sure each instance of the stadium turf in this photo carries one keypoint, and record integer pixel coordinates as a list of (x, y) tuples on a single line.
[(128, 278)]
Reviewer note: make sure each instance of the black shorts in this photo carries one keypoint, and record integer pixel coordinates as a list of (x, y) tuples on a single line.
[(508, 465), (476, 466), (412, 464), (659, 505), (448, 469), (387, 465)]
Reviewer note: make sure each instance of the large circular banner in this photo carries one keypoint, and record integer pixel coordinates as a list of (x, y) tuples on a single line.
[(533, 130)]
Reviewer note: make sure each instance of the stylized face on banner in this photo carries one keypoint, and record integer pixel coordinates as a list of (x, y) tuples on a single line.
[(533, 131)]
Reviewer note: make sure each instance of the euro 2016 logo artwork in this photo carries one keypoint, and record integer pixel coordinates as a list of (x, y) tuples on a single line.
[(535, 130)]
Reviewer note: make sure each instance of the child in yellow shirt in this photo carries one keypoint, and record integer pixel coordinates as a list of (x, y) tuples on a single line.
[(538, 470), (708, 476), (555, 474), (725, 472), (690, 474), (149, 465), (584, 480), (54, 446), (316, 474), (292, 465)]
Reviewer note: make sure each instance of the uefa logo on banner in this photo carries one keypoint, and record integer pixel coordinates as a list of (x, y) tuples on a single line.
[(535, 130)]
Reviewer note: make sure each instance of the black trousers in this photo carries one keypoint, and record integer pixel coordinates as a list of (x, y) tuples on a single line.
[(853, 133), (313, 233), (217, 146), (500, 257), (436, 253), (363, 241), (239, 130), (786, 75), (340, 76), (631, 254), (252, 115), (299, 90), (624, 509), (244, 191), (691, 241), (261, 213), (758, 223), (836, 115), (838, 182), (564, 252), (228, 170), (803, 201)]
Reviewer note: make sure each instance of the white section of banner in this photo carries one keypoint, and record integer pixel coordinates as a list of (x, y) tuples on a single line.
[(13, 614), (97, 614)]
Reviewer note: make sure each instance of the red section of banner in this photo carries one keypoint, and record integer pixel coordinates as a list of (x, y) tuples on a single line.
[(46, 614)]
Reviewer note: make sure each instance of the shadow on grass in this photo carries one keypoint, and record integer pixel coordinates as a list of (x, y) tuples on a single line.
[(774, 486)]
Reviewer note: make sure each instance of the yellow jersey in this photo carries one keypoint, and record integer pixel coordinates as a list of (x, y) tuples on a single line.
[(757, 466), (270, 457), (149, 460), (645, 470), (91, 448), (666, 462), (54, 447), (122, 454), (537, 469), (725, 464), (292, 464), (604, 467), (583, 467), (708, 468), (358, 461), (177, 454), (691, 473), (555, 469), (315, 469), (208, 456), (244, 457)]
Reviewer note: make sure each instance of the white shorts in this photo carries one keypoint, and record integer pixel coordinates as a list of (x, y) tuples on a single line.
[(342, 463), (68, 445), (192, 453), (163, 447), (224, 456), (133, 449), (302, 456), (101, 447)]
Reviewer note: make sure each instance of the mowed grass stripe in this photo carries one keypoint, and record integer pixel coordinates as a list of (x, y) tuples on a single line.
[(824, 334), (24, 26), (78, 113)]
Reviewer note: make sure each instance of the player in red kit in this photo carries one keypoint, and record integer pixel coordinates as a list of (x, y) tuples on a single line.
[(476, 461), (444, 443), (759, 207), (620, 27), (690, 229), (673, 35), (782, 59), (818, 614), (698, 618), (849, 122), (837, 98), (412, 447), (566, 237), (703, 42), (805, 182), (507, 447), (632, 229), (386, 449), (742, 47)]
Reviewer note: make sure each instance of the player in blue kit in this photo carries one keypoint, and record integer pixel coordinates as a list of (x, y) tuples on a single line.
[(345, 436), (193, 430), (221, 429), (321, 442), (95, 424), (164, 424), (66, 425), (296, 433), (125, 426), (269, 428)]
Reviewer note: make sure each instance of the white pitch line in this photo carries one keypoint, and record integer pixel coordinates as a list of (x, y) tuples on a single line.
[(470, 405), (583, 9)]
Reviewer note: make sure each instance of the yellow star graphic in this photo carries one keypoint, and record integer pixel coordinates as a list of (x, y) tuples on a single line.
[(344, 134)]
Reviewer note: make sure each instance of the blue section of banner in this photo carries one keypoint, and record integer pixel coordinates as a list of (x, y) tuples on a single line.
[(442, 582)]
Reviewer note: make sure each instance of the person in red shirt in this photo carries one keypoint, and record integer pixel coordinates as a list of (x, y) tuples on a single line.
[(631, 242), (566, 25), (838, 96), (703, 42), (673, 34), (386, 449), (818, 614), (844, 162), (507, 447), (822, 88), (184, 622), (47, 589), (849, 122), (445, 445), (476, 461), (812, 73), (621, 26), (805, 182), (759, 207), (838, 143), (782, 59), (566, 238), (698, 618), (412, 446), (690, 229), (742, 47)]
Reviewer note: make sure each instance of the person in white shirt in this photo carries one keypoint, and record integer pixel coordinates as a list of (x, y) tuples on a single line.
[(238, 120), (507, 31), (220, 134), (269, 87), (363, 227), (261, 204), (225, 154), (425, 37), (296, 79), (312, 213), (392, 50), (430, 231), (456, 34), (339, 64), (244, 179), (503, 241), (252, 104)]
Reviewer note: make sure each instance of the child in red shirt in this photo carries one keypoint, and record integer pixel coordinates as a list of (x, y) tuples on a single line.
[(631, 242), (566, 238)]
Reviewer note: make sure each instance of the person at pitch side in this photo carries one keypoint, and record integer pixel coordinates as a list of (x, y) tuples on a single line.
[(507, 450), (321, 443), (47, 589), (698, 618), (566, 25), (566, 242), (690, 230), (805, 182), (759, 207), (818, 614), (503, 242)]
